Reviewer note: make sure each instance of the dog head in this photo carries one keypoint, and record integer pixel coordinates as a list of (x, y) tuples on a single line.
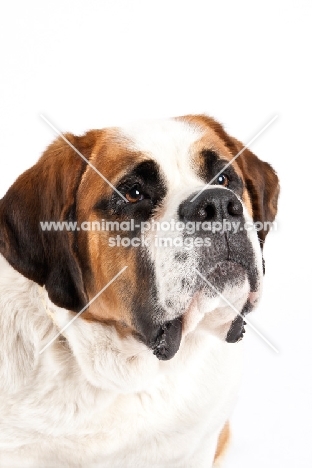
[(152, 198)]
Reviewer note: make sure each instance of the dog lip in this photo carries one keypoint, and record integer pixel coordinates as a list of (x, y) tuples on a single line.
[(168, 339), (253, 297), (225, 267), (236, 331), (226, 270)]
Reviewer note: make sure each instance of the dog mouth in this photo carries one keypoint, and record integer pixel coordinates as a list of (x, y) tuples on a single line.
[(166, 338)]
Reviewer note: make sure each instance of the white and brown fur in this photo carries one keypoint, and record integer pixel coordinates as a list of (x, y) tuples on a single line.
[(98, 396)]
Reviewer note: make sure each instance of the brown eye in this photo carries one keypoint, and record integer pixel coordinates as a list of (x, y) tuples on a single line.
[(134, 194), (223, 179)]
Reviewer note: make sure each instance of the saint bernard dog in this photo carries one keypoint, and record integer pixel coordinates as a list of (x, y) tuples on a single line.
[(146, 373)]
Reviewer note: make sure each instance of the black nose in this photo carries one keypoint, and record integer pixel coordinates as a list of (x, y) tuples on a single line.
[(213, 204)]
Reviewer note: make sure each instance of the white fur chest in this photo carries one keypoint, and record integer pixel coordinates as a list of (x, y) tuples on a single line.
[(149, 413)]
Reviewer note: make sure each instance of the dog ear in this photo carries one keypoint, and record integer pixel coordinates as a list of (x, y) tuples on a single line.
[(262, 184), (46, 192)]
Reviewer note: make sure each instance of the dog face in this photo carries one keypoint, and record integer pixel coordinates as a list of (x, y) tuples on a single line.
[(156, 175)]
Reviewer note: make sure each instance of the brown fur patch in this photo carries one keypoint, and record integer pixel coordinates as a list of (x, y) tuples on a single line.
[(262, 184), (223, 442), (113, 157), (46, 192), (122, 328)]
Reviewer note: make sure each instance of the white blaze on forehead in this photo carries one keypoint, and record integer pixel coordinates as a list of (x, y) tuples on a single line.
[(169, 143)]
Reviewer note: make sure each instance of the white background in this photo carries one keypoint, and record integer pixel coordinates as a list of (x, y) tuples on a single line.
[(89, 64)]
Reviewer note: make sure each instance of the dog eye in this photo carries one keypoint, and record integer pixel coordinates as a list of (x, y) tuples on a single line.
[(223, 179), (135, 194)]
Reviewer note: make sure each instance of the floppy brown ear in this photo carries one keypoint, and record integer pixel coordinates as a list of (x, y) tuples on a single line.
[(46, 192), (262, 184)]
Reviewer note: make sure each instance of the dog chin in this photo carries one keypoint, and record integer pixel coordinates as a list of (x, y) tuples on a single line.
[(215, 311), (215, 306)]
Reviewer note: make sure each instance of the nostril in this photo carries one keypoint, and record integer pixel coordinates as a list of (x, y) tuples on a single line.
[(211, 205), (235, 208), (210, 212)]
